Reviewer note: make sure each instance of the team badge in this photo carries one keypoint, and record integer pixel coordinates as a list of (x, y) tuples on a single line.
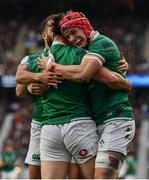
[(83, 152)]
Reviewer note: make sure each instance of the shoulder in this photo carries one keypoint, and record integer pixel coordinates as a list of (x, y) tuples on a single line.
[(106, 41), (25, 60), (79, 51), (29, 58)]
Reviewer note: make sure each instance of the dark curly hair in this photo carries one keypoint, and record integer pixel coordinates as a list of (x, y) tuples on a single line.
[(56, 18)]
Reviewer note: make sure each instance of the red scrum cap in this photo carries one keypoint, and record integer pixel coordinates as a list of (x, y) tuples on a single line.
[(76, 20)]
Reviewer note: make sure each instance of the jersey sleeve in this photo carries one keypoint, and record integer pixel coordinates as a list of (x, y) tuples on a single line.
[(25, 60), (103, 47), (94, 56), (80, 54), (106, 49), (99, 51)]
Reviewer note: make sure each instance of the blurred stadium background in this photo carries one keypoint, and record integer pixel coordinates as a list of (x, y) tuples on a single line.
[(125, 21)]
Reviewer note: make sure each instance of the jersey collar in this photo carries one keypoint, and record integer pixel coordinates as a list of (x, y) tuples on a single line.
[(57, 42)]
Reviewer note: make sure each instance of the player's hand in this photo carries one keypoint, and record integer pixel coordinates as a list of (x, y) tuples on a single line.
[(50, 78), (124, 66), (51, 67), (42, 62), (37, 88)]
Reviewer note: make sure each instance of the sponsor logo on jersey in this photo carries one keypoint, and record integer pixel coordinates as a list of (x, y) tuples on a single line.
[(109, 113), (36, 157)]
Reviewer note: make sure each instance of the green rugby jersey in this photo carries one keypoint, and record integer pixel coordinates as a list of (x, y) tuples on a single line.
[(108, 104), (67, 102), (31, 60)]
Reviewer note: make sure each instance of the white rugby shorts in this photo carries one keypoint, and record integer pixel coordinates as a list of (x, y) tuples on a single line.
[(77, 139)]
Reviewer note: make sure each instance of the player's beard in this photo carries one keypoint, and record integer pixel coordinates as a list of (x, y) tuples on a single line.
[(49, 41)]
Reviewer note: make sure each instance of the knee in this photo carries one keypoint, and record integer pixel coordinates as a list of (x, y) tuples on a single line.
[(108, 165), (105, 173)]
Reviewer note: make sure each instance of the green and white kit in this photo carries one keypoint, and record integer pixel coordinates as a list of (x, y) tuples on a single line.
[(33, 154), (67, 115), (110, 108)]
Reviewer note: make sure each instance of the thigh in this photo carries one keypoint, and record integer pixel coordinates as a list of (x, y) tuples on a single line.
[(54, 169), (81, 140), (74, 171), (87, 169), (34, 171), (33, 154), (54, 156)]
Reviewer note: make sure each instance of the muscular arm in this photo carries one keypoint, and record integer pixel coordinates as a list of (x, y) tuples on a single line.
[(112, 79), (92, 69), (23, 76), (80, 73)]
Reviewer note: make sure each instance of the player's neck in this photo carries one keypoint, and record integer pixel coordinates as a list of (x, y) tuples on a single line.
[(46, 45), (59, 38)]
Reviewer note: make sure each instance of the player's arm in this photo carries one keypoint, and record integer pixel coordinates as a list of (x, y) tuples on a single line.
[(37, 88), (91, 69), (21, 89), (23, 76), (112, 79), (32, 88), (80, 73)]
